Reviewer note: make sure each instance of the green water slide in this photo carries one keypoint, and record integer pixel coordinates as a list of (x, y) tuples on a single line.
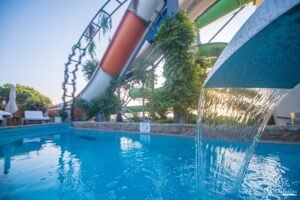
[(137, 93), (218, 10), (213, 49), (135, 109)]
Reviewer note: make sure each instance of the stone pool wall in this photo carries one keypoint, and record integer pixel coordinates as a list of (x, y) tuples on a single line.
[(271, 133), (178, 129), (282, 133)]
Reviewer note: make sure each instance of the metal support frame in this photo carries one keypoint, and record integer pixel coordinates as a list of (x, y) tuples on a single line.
[(77, 59), (82, 51)]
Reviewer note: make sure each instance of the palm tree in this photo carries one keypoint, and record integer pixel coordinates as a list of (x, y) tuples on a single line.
[(89, 67)]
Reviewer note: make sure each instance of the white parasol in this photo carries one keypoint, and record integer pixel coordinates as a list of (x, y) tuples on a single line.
[(12, 107)]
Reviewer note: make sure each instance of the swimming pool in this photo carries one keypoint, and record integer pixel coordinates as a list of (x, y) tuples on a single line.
[(58, 162)]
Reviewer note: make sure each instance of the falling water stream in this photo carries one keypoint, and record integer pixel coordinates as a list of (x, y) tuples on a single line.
[(234, 119)]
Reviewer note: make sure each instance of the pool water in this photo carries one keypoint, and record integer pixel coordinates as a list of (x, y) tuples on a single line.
[(64, 163)]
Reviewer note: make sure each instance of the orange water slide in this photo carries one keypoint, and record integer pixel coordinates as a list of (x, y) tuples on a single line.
[(127, 36), (129, 33)]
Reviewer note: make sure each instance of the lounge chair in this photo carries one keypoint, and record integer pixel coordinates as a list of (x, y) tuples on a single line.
[(3, 120), (34, 117)]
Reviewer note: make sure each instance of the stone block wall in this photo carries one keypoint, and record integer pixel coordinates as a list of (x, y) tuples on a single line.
[(178, 129), (271, 133)]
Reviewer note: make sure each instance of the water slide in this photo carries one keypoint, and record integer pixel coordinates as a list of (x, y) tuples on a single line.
[(254, 73), (132, 42), (220, 9), (265, 51), (128, 35)]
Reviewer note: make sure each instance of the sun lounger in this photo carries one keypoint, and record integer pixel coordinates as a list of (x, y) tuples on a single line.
[(34, 117), (3, 120)]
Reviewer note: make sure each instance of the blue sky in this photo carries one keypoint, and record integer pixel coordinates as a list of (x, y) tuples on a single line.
[(36, 37)]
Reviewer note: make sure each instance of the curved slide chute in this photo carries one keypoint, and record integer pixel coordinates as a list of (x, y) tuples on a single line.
[(128, 35), (220, 9), (265, 51), (131, 45), (130, 32)]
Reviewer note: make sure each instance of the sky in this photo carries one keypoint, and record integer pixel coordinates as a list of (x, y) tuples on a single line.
[(36, 36)]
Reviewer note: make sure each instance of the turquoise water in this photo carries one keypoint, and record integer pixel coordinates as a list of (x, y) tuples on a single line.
[(62, 163), (240, 116)]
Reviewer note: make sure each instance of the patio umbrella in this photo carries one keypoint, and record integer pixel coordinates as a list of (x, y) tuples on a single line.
[(12, 106)]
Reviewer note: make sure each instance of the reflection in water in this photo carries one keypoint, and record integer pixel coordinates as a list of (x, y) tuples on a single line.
[(128, 144), (145, 139), (8, 152), (68, 167), (112, 167), (237, 116)]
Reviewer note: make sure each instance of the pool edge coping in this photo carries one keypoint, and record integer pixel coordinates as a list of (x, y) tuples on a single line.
[(134, 132)]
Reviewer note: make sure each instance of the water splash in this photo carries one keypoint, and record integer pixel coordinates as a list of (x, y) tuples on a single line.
[(237, 117)]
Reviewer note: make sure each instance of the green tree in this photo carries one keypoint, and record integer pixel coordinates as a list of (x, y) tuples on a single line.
[(90, 65), (27, 98), (105, 23), (63, 114), (106, 104), (157, 106), (89, 68), (144, 78), (91, 50), (183, 74)]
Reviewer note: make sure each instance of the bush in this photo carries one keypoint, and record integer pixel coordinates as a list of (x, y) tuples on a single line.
[(106, 104), (63, 114), (192, 118), (135, 119), (182, 86), (27, 98), (164, 121)]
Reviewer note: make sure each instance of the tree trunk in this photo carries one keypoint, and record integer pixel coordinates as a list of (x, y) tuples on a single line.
[(179, 118), (119, 117), (143, 101), (107, 118)]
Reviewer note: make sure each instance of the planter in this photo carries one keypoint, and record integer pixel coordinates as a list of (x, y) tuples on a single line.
[(57, 120)]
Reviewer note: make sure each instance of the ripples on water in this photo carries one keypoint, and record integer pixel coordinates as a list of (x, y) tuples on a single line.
[(237, 117), (111, 166), (68, 166)]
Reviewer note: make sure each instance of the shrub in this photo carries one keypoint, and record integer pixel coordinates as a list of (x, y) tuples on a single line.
[(63, 114)]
